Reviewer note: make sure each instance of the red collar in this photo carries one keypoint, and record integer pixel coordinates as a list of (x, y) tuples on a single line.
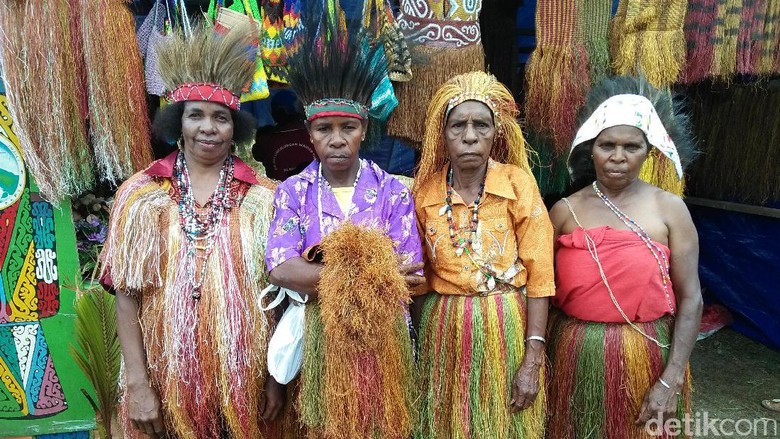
[(164, 168)]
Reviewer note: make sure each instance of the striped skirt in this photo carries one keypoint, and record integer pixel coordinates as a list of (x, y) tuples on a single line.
[(600, 375), (470, 349)]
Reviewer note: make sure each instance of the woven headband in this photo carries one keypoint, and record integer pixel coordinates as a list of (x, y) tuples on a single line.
[(198, 91), (335, 107), (632, 110), (469, 96)]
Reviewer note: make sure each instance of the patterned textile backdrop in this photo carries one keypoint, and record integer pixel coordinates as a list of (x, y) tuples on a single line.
[(40, 384)]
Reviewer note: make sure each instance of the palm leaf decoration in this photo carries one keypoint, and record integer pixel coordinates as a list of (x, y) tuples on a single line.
[(97, 352)]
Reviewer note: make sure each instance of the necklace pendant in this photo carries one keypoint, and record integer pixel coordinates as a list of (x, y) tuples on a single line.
[(196, 293), (459, 251)]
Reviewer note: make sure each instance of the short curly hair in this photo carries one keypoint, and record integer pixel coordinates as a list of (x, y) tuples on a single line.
[(167, 124)]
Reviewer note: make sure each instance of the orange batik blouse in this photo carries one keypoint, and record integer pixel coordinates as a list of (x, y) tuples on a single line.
[(514, 242)]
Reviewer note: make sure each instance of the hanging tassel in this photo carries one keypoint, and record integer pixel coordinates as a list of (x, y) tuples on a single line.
[(555, 89), (44, 94), (119, 123), (648, 40)]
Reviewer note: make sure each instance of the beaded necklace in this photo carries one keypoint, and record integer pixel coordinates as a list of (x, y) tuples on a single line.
[(459, 243), (199, 232), (322, 181), (655, 249)]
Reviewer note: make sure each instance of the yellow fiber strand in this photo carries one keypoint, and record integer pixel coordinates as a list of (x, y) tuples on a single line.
[(659, 171)]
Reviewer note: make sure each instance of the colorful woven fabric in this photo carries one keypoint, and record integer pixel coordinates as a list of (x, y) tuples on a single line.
[(206, 357), (448, 39), (470, 349), (753, 12), (646, 38), (769, 61), (600, 375), (699, 28), (555, 71), (724, 61), (274, 54)]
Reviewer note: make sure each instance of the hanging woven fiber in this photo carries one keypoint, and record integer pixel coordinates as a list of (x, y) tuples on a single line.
[(601, 375), (448, 40), (739, 135), (753, 12), (556, 72), (44, 95), (119, 124), (77, 48), (647, 38), (769, 61), (357, 373), (699, 34), (595, 35), (724, 61)]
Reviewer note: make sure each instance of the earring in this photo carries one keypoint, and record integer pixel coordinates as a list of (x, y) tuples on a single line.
[(180, 143)]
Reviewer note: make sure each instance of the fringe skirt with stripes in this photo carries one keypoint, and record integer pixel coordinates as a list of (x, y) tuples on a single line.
[(600, 375), (470, 348)]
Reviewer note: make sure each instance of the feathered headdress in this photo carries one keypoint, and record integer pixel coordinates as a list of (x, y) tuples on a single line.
[(653, 111), (509, 145), (334, 70), (208, 65)]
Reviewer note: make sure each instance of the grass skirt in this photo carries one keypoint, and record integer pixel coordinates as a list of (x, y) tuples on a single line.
[(600, 375), (470, 348)]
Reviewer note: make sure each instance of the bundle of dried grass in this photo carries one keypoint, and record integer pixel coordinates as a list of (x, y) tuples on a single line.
[(45, 94), (118, 119), (361, 385)]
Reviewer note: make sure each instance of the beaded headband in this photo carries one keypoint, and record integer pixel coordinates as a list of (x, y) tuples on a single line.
[(469, 96), (198, 91), (335, 107), (632, 110)]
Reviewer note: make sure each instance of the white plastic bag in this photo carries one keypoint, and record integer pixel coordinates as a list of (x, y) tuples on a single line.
[(285, 350)]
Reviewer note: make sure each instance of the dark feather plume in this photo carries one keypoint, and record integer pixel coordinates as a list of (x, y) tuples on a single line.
[(333, 60)]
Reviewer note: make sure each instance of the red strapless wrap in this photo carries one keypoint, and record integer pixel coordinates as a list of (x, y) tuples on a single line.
[(630, 268)]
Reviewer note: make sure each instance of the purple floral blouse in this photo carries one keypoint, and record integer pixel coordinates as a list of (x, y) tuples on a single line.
[(380, 200)]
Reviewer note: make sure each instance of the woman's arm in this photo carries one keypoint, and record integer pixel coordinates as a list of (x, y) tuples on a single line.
[(297, 274), (143, 401), (684, 266)]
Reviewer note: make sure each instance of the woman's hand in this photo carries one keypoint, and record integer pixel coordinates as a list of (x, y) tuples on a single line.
[(660, 402), (272, 400), (525, 387), (407, 271), (145, 409)]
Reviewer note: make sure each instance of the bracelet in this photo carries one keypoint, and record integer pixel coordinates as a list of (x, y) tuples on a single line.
[(664, 383), (537, 338)]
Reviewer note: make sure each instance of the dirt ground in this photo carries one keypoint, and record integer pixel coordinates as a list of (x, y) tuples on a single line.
[(732, 374)]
